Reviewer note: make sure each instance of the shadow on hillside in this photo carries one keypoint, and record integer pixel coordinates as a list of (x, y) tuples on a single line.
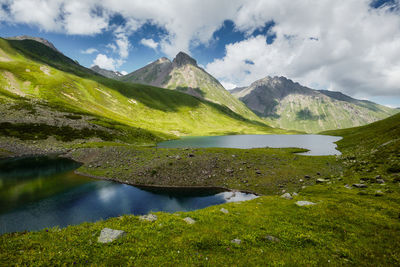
[(153, 97)]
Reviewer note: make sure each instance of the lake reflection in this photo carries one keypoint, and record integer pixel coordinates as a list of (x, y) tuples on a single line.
[(319, 145), (44, 195)]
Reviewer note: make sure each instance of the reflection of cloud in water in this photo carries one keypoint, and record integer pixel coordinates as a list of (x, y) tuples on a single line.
[(236, 196), (105, 194)]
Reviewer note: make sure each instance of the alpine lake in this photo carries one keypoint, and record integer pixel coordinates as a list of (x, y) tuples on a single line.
[(43, 191)]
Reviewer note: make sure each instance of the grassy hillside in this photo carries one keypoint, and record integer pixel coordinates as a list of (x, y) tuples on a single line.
[(42, 79)]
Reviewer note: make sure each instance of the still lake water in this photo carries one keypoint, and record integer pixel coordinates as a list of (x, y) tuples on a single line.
[(41, 192), (319, 145)]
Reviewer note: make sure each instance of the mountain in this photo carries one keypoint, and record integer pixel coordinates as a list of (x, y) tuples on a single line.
[(107, 73), (184, 75), (44, 93), (37, 39), (289, 105)]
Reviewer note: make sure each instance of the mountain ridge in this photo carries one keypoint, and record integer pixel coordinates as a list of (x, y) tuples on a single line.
[(290, 105), (184, 75)]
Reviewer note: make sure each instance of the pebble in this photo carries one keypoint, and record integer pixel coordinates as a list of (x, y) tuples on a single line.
[(224, 210), (108, 235), (272, 238), (148, 217), (236, 241)]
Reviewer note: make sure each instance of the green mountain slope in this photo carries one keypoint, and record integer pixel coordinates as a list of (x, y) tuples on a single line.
[(39, 85), (286, 104), (184, 75)]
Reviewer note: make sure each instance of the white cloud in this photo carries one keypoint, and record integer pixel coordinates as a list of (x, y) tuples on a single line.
[(89, 51), (149, 43), (105, 62), (228, 85)]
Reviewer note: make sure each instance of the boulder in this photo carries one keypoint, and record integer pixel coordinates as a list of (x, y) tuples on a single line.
[(189, 220), (287, 196), (108, 235), (304, 203)]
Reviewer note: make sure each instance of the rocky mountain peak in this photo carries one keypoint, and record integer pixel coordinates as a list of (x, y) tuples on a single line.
[(182, 59), (37, 39)]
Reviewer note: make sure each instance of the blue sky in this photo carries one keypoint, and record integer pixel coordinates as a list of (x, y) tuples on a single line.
[(344, 45)]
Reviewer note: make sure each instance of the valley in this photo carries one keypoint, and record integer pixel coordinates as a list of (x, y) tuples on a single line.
[(341, 209)]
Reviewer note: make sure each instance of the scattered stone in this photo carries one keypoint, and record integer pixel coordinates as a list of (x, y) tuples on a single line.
[(304, 203), (258, 171), (283, 191), (191, 155), (320, 181), (295, 194), (224, 210), (378, 193), (272, 239), (364, 179), (236, 241), (148, 217), (378, 177), (301, 180), (229, 170), (307, 176), (380, 181), (287, 196), (178, 157), (318, 173), (233, 156), (189, 220), (303, 187), (348, 186), (108, 235), (360, 185)]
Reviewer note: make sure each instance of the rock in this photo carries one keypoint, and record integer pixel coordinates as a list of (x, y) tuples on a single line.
[(378, 193), (108, 235), (304, 203), (272, 239), (178, 157), (348, 186), (380, 181), (287, 196), (320, 181), (304, 187), (258, 171), (378, 177), (236, 241), (360, 185), (233, 156), (190, 155), (224, 210), (229, 170), (301, 180), (295, 194), (148, 217), (307, 176), (189, 220)]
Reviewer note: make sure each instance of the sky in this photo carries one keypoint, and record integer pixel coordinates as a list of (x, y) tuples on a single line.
[(352, 46)]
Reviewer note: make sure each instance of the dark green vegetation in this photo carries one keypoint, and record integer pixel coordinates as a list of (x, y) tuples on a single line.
[(286, 104)]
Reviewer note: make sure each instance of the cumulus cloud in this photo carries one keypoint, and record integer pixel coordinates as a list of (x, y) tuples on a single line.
[(105, 62), (341, 45), (149, 43), (89, 51)]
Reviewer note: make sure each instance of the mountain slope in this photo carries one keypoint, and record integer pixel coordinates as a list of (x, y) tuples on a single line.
[(286, 104), (54, 90), (107, 73), (183, 74)]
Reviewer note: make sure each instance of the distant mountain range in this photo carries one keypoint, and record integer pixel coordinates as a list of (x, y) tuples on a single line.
[(289, 105)]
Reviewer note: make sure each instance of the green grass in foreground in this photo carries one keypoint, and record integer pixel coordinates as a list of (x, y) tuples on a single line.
[(345, 227)]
